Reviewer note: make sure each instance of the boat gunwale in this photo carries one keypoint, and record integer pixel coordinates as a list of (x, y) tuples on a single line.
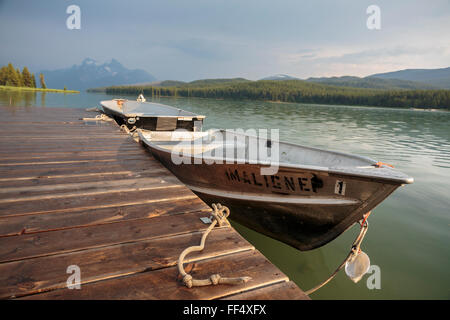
[(328, 170)]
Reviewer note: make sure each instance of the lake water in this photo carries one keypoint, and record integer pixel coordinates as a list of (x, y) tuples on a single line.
[(408, 237)]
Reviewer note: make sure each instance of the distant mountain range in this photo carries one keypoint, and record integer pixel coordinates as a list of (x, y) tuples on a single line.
[(403, 79), (90, 74), (371, 83), (195, 83), (436, 77)]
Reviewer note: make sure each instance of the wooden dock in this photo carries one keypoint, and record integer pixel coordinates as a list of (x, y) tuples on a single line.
[(85, 194)]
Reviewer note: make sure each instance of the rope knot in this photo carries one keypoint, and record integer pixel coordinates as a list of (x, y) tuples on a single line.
[(218, 213), (215, 279), (187, 280)]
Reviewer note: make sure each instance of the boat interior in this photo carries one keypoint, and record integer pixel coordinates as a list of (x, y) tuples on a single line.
[(232, 145), (146, 109)]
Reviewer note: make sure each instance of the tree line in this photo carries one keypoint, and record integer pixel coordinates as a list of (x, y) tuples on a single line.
[(296, 91), (10, 76)]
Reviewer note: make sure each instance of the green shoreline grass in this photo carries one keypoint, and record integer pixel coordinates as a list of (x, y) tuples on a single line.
[(37, 89)]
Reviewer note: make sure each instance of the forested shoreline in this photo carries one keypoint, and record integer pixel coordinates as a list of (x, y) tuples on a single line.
[(291, 91), (14, 79)]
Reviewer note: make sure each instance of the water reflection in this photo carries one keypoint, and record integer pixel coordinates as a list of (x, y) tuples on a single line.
[(43, 94), (42, 99), (18, 98)]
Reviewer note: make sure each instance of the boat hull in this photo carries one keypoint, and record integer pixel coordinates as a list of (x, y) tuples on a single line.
[(162, 120), (303, 208)]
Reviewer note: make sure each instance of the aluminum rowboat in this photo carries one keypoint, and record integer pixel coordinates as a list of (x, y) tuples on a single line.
[(314, 197), (151, 116)]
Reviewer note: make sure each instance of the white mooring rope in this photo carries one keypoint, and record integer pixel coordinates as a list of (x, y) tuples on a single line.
[(354, 251), (219, 214), (99, 117)]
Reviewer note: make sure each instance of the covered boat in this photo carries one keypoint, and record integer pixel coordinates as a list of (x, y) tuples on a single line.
[(312, 197), (151, 116)]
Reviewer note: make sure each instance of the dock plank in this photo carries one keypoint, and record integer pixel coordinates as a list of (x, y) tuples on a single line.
[(38, 181), (163, 284), (26, 224), (30, 192), (58, 155), (68, 240), (279, 291), (88, 200), (75, 164), (69, 170), (118, 156)]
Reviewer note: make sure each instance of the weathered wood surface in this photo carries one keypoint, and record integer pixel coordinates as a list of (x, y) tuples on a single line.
[(280, 291), (163, 284), (112, 261), (84, 193)]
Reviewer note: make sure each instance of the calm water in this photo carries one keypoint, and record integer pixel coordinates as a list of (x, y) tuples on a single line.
[(409, 234)]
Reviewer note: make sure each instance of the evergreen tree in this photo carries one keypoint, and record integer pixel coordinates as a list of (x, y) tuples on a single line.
[(41, 79), (26, 77), (33, 81), (19, 77), (12, 78), (3, 75)]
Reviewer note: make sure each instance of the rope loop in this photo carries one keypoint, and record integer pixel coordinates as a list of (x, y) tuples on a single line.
[(99, 117), (219, 215)]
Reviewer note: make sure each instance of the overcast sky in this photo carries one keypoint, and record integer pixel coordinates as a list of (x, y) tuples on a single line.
[(190, 39)]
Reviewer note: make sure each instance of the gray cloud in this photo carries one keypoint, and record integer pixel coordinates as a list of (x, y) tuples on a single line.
[(364, 56), (199, 48), (188, 40)]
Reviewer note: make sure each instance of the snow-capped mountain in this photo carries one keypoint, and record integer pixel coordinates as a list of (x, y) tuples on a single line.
[(90, 74), (280, 77)]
